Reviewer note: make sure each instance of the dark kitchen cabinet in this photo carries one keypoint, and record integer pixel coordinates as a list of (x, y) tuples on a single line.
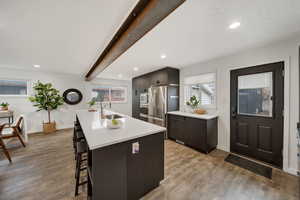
[(164, 77), (173, 98), (175, 128), (200, 134), (142, 174), (139, 86), (142, 82), (196, 133), (159, 78)]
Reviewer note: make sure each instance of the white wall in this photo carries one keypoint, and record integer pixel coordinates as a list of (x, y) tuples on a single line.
[(65, 116), (287, 51)]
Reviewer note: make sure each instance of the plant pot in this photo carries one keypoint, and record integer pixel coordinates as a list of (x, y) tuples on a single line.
[(49, 127), (200, 111), (4, 108)]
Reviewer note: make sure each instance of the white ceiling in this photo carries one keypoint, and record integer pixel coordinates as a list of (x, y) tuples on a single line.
[(198, 31), (67, 36), (60, 35)]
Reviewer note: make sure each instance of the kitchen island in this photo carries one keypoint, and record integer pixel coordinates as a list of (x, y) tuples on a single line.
[(124, 163)]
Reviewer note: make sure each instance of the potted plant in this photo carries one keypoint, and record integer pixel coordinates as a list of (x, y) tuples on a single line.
[(4, 106), (46, 98), (193, 103), (91, 104)]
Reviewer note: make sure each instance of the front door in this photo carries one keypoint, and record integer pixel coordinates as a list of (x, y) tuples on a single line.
[(256, 124)]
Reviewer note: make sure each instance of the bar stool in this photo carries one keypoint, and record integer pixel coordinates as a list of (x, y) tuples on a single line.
[(81, 150), (77, 128), (77, 136)]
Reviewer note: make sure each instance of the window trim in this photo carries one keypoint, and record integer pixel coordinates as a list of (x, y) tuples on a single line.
[(110, 87), (28, 85), (210, 106)]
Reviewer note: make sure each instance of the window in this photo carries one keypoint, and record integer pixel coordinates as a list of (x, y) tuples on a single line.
[(13, 87), (255, 94), (101, 94), (203, 87), (118, 94), (110, 94)]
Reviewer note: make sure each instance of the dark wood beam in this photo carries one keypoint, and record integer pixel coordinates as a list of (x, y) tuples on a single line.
[(144, 17)]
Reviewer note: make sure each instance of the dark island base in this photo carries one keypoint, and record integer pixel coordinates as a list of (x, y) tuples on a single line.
[(116, 173)]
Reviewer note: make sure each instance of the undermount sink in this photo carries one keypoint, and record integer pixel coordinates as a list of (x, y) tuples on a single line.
[(113, 116)]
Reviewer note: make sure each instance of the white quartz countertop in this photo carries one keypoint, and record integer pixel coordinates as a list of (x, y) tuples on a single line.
[(186, 114), (97, 135)]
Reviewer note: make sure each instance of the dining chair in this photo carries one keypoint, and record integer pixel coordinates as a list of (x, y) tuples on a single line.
[(13, 131), (2, 144)]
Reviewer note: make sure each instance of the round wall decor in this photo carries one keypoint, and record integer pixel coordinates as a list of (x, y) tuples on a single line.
[(72, 96)]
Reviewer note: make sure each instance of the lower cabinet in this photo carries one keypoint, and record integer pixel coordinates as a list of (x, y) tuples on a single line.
[(145, 169), (122, 173), (175, 128), (200, 134)]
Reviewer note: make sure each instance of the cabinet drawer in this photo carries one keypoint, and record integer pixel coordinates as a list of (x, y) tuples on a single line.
[(176, 117)]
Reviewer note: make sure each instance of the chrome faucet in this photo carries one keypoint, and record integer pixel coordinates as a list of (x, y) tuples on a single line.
[(101, 109), (102, 106)]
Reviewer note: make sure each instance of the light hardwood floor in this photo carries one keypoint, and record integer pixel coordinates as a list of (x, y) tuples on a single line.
[(44, 170)]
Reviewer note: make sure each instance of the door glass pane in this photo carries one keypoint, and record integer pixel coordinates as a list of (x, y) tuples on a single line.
[(255, 94)]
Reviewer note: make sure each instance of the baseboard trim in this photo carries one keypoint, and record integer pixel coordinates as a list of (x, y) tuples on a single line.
[(291, 171)]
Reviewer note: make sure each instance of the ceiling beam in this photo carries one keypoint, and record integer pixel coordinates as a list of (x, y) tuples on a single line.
[(144, 17)]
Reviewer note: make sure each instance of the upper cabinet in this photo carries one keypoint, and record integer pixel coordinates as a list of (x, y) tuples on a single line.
[(141, 82), (159, 78), (165, 76)]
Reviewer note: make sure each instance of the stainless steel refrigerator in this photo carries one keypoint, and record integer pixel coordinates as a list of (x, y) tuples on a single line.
[(160, 100)]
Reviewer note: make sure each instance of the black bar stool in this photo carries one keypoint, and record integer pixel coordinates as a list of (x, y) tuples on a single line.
[(76, 128), (81, 149), (77, 136)]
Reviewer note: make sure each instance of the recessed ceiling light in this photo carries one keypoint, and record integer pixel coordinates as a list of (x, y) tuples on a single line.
[(37, 66), (163, 56), (234, 25), (120, 75), (136, 69)]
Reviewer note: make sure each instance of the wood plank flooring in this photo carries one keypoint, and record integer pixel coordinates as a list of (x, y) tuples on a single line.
[(45, 170)]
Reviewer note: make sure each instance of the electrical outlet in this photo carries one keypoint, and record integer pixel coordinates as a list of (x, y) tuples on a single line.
[(135, 148)]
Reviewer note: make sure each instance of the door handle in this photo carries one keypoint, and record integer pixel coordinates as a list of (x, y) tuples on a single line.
[(233, 113)]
